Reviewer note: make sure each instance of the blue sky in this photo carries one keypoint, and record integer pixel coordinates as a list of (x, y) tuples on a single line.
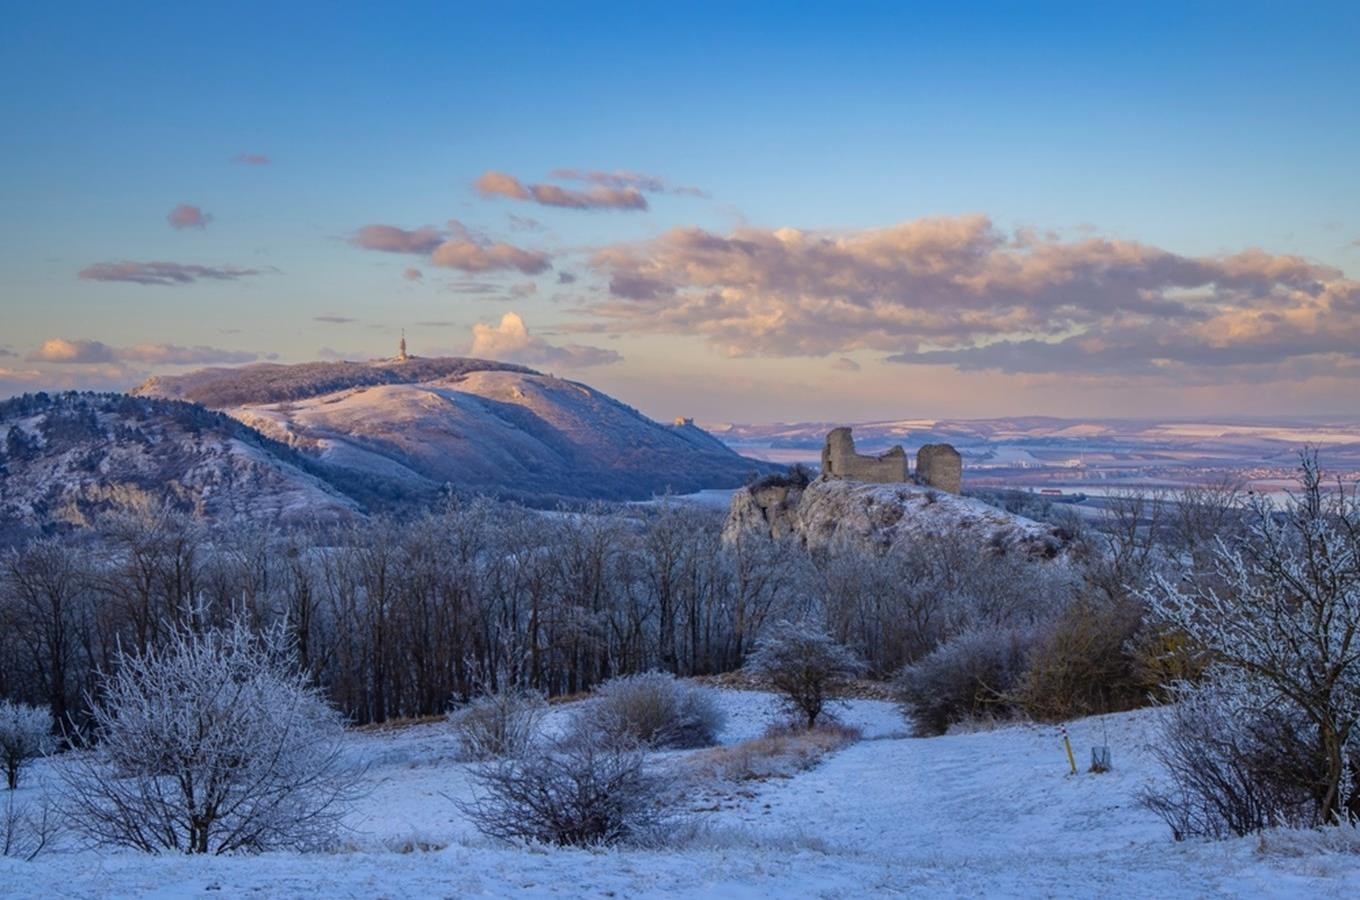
[(1115, 150)]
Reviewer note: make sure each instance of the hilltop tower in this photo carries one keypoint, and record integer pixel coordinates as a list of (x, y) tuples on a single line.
[(401, 348)]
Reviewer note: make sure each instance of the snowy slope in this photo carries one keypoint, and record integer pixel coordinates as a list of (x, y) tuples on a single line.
[(984, 814), (502, 430)]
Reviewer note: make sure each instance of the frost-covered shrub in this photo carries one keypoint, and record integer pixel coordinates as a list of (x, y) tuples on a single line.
[(1279, 614), (802, 662), (24, 736), (1233, 767), (213, 744), (582, 790), (655, 709), (970, 676), (504, 723)]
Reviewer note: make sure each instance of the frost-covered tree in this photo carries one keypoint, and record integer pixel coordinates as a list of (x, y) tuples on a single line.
[(1279, 614), (211, 744), (24, 736), (802, 662)]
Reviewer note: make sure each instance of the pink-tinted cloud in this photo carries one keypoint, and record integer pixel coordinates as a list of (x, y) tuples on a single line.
[(251, 159), (455, 247), (59, 350), (85, 352), (391, 239), (187, 215), (845, 364), (472, 256), (413, 274), (511, 341), (960, 292), (162, 272), (499, 184), (334, 320)]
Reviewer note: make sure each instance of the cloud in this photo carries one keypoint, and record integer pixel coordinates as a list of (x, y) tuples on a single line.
[(510, 341), (524, 223), (173, 355), (652, 184), (456, 247), (499, 184), (162, 272), (413, 274), (59, 350), (566, 278), (472, 256), (845, 364), (391, 239), (251, 159), (188, 216), (334, 320), (88, 378), (960, 292), (83, 352), (5, 351)]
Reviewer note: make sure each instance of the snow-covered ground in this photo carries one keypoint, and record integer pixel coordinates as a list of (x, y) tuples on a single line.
[(993, 813)]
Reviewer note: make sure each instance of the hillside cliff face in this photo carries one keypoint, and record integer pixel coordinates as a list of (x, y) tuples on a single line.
[(423, 424), (877, 518), (66, 459)]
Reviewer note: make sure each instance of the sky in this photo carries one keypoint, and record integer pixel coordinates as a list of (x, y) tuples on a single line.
[(746, 213)]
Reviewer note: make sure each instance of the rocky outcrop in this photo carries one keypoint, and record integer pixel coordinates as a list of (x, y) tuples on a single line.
[(839, 460), (878, 518)]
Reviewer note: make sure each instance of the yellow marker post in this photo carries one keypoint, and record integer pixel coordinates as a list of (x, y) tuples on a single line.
[(1071, 760)]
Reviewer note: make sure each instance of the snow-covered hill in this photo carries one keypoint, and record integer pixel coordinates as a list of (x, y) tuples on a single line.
[(501, 429), (992, 814), (67, 458)]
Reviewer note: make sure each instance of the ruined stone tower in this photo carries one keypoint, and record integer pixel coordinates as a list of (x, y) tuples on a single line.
[(839, 460), (940, 466)]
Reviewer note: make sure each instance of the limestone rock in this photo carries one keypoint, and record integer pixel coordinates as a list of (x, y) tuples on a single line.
[(879, 518)]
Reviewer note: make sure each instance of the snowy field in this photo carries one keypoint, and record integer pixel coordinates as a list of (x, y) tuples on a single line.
[(992, 813)]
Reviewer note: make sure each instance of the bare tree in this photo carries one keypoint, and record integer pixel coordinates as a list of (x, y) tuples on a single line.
[(1280, 616), (24, 736), (212, 744), (802, 662)]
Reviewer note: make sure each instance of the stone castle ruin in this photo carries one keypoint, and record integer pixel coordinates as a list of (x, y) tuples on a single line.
[(938, 465)]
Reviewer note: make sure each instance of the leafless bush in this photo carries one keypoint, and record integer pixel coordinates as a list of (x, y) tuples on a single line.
[(26, 829), (211, 745), (1085, 664), (503, 723), (970, 676), (655, 709), (1232, 770), (582, 790), (802, 662), (24, 736)]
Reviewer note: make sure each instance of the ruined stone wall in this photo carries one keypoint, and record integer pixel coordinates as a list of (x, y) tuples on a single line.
[(839, 460), (940, 466)]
